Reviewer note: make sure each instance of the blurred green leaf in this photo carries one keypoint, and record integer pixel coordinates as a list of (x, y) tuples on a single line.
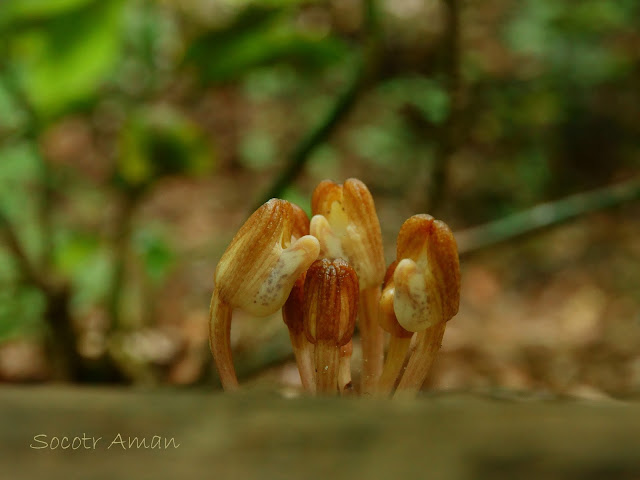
[(259, 36), (384, 144), (570, 39), (156, 253), (64, 60), (270, 82), (7, 266), (427, 95), (80, 257), (28, 11), (73, 250), (11, 117), (257, 150), (19, 173), (21, 312), (324, 163), (532, 167), (272, 3), (530, 32), (18, 164), (595, 16), (157, 142), (295, 196)]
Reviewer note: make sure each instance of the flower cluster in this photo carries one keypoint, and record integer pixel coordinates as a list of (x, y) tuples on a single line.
[(329, 272)]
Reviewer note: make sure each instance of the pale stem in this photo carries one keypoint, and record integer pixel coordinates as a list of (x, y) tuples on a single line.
[(327, 356), (421, 360), (220, 341), (396, 356), (303, 350), (372, 338), (344, 375)]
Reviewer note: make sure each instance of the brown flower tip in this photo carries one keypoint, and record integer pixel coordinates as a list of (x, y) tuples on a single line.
[(330, 302), (264, 259), (292, 310), (346, 224), (427, 278), (387, 318), (388, 276), (323, 197), (300, 222)]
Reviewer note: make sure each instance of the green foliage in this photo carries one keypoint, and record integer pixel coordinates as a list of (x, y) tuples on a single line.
[(62, 59), (22, 12), (7, 268), (425, 94), (272, 3), (294, 195), (265, 83), (571, 39), (545, 84), (81, 257), (259, 35), (157, 142), (257, 150), (19, 166), (11, 116), (380, 143), (20, 312), (157, 255), (324, 163)]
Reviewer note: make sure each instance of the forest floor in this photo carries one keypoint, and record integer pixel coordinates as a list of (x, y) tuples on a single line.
[(260, 434)]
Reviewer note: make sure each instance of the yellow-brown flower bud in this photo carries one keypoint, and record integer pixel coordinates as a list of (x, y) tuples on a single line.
[(330, 302), (300, 222), (258, 269), (427, 277), (256, 273), (427, 292), (432, 246), (346, 224), (330, 308)]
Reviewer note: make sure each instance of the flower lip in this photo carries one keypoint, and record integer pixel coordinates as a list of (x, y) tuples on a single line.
[(387, 318), (330, 301), (417, 302)]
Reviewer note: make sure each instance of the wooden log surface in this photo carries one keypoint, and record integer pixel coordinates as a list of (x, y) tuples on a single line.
[(262, 435)]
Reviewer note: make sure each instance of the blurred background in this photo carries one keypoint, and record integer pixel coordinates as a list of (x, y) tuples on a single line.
[(137, 136)]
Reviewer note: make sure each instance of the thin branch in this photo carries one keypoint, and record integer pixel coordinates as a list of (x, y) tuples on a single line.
[(450, 131), (46, 211), (27, 270), (546, 215), (66, 361), (344, 103), (121, 241), (32, 130), (315, 138), (61, 343)]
